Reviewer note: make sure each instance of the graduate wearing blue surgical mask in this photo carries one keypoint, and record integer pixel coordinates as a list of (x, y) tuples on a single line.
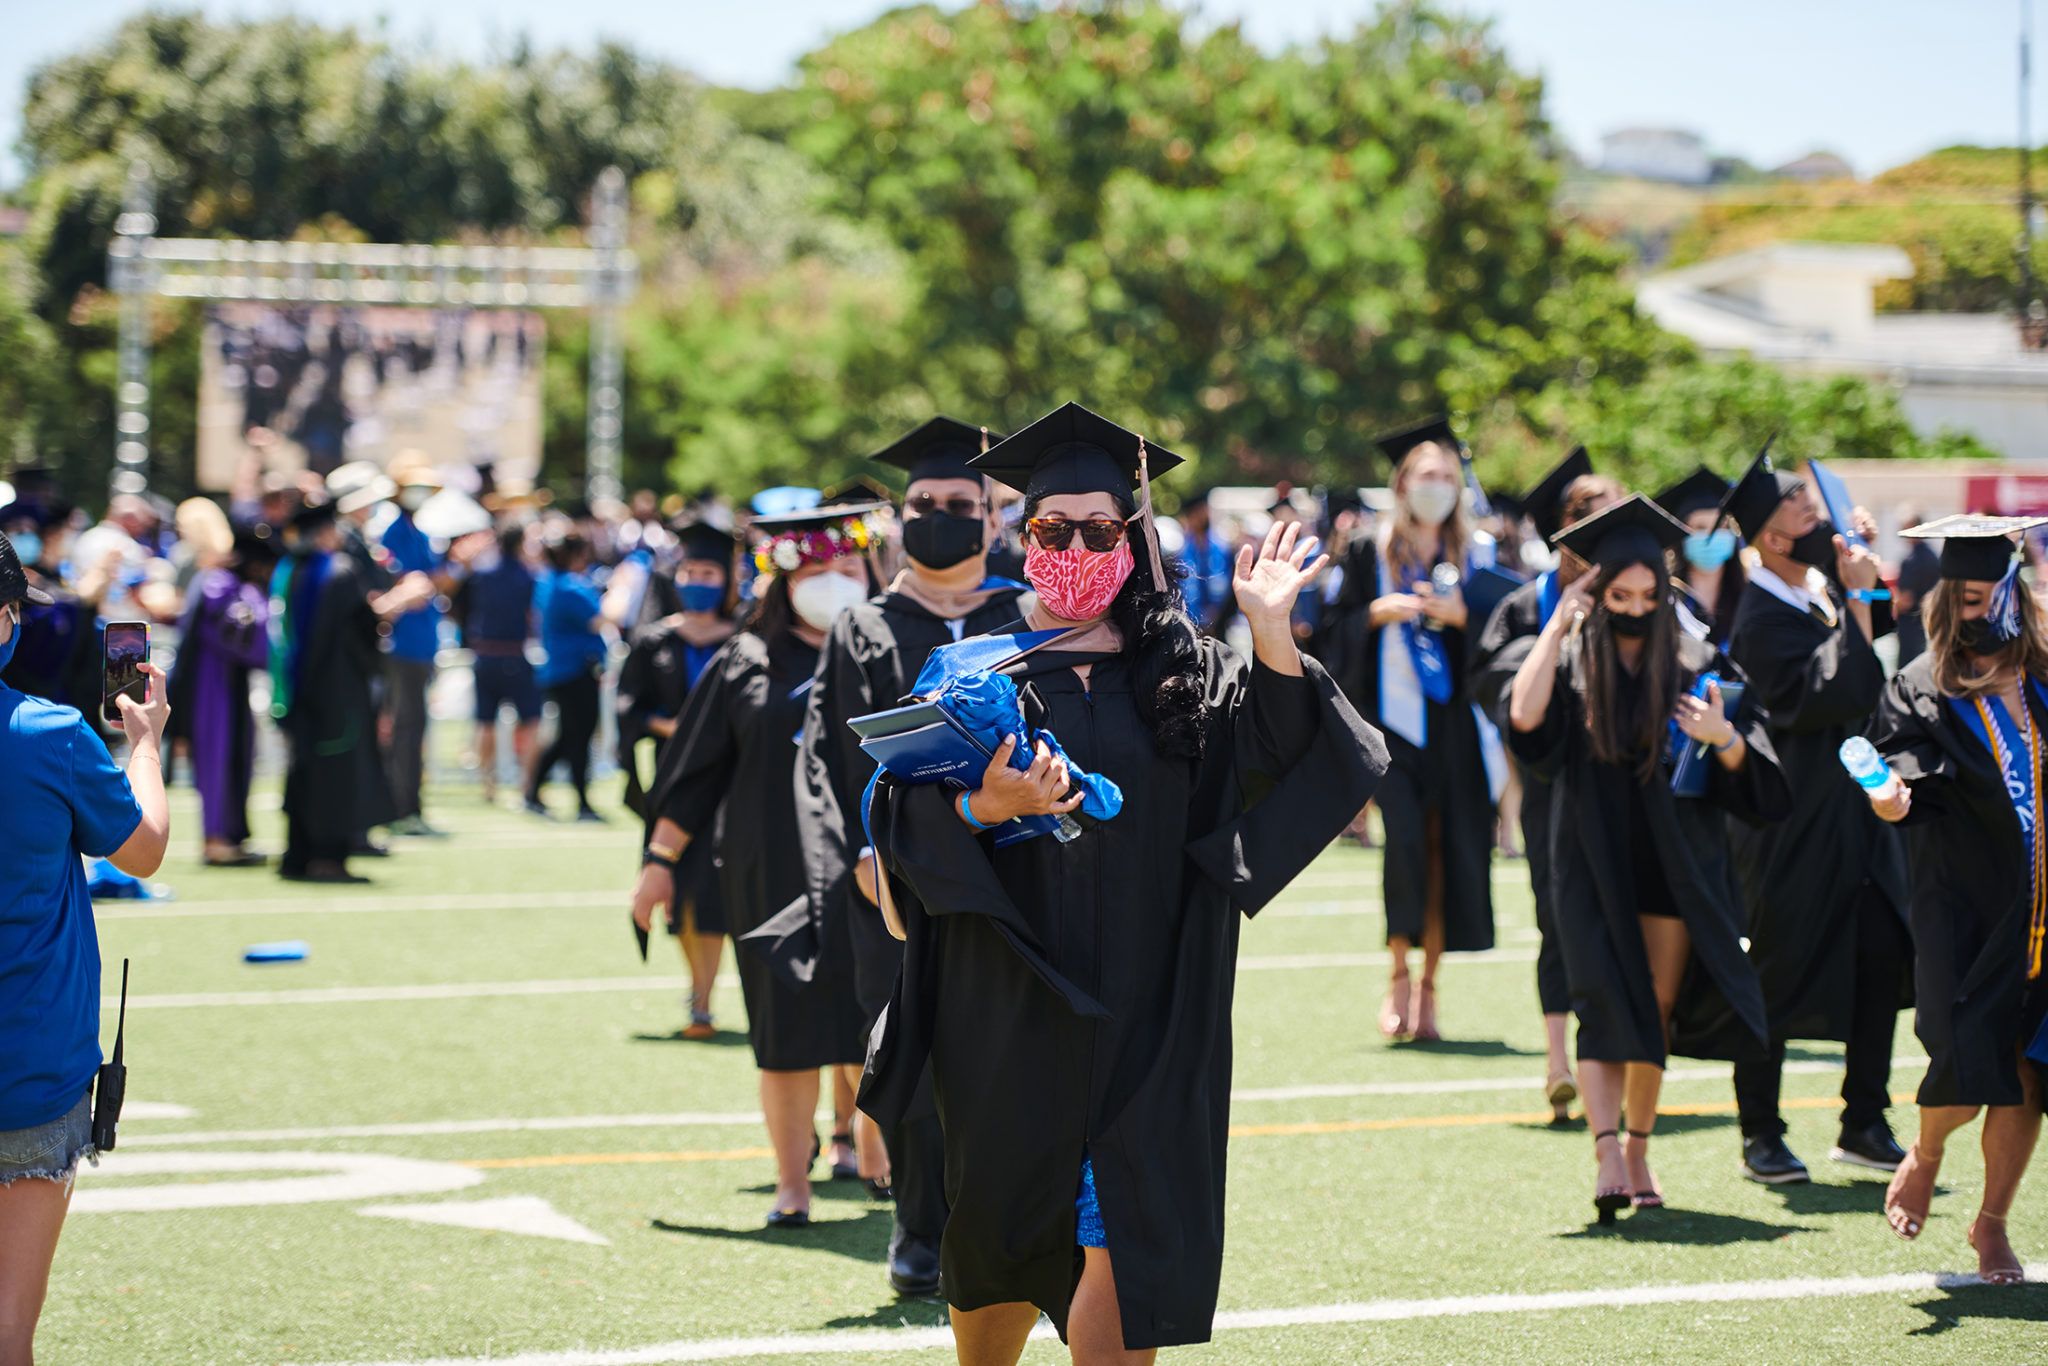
[(1714, 576)]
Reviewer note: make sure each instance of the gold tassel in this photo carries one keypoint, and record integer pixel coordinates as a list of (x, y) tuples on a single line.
[(1159, 579)]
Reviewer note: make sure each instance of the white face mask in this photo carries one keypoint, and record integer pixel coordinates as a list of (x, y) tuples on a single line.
[(820, 599), (1431, 504), (413, 497)]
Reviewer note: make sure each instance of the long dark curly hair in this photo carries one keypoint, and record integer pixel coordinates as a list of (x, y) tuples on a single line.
[(1161, 642)]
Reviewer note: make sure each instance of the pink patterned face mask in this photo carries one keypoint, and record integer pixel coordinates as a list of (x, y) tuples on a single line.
[(1077, 584)]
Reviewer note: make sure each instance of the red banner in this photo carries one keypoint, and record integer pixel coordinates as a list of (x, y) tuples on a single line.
[(2006, 495)]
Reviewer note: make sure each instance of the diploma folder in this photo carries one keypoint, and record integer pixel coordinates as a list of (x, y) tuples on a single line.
[(1689, 770), (921, 744)]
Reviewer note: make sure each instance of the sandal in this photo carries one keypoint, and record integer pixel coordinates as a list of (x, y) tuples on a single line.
[(1423, 1006), (1394, 1012), (1910, 1221), (2015, 1274), (701, 1026), (1609, 1200), (845, 1171), (1561, 1091), (1653, 1198), (789, 1218)]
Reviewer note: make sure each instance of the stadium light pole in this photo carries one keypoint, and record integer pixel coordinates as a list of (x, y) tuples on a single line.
[(131, 283), (2033, 317), (607, 371)]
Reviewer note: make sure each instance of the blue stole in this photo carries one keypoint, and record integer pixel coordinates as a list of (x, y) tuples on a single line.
[(1548, 594), (1414, 668), (2018, 753)]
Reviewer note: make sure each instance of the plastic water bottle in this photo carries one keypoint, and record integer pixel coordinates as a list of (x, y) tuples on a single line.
[(1868, 767), (1443, 580)]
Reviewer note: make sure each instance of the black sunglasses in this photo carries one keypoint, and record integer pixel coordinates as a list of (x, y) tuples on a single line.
[(924, 505), (1098, 534)]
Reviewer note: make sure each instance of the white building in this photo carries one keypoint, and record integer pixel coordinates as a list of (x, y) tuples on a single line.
[(1810, 306), (1657, 154)]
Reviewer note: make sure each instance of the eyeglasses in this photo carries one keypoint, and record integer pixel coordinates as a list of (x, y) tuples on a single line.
[(1057, 533), (924, 505)]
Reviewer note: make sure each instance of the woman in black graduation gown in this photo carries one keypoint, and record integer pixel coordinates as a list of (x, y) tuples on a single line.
[(668, 656), (1073, 999), (1641, 880), (1406, 674), (1567, 494), (1713, 572), (1962, 725), (734, 750)]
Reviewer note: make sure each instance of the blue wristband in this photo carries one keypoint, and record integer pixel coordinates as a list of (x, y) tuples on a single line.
[(1723, 749), (965, 806), (1870, 595)]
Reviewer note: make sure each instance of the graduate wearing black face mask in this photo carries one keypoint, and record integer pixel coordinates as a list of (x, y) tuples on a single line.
[(1641, 879), (1826, 889), (870, 659), (1961, 727)]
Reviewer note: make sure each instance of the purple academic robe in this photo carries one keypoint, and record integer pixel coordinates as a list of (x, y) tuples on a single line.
[(227, 635)]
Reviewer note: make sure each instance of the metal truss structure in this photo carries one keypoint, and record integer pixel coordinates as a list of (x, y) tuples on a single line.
[(600, 278)]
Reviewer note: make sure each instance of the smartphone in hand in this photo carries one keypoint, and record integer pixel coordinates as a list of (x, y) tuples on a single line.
[(127, 649)]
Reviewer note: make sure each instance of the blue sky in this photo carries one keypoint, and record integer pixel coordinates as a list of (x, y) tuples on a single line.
[(1879, 81)]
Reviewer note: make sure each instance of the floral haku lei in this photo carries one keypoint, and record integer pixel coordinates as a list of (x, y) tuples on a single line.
[(792, 550)]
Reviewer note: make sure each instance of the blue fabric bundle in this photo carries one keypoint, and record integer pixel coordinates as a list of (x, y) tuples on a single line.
[(987, 706)]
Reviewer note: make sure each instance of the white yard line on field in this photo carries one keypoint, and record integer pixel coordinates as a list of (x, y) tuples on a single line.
[(895, 1340), (575, 986), (471, 901), (433, 1128)]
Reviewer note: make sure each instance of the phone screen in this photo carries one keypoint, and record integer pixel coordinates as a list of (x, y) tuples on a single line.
[(127, 644)]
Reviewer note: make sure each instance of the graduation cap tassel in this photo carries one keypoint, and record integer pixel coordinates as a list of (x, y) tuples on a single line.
[(2003, 611), (1159, 579)]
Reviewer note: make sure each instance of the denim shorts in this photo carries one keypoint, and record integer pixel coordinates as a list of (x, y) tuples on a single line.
[(49, 1151)]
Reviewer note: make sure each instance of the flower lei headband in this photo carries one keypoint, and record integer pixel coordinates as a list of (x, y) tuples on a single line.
[(791, 550)]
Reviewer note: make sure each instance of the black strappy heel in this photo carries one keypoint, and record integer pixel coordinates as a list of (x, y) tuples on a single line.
[(1649, 1199), (1609, 1202), (845, 1171)]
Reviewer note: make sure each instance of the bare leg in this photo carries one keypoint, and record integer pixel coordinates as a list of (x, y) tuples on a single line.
[(874, 1153), (790, 1102), (31, 1217), (703, 953), (1668, 946), (487, 758), (994, 1335), (1423, 1013), (2010, 1132), (1095, 1329), (1558, 1061), (1603, 1082), (523, 737), (1395, 1018), (1911, 1193), (845, 1085)]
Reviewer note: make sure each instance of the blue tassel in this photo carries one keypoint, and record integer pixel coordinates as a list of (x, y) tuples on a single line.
[(2003, 613)]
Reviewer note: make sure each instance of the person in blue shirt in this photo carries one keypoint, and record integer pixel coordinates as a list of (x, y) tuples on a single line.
[(61, 797), (495, 608), (410, 648), (572, 624), (1206, 589)]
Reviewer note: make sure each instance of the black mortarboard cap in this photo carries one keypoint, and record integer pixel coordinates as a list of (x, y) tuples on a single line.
[(14, 584), (1973, 547), (702, 541), (858, 490), (1756, 495), (1633, 531), (1545, 502), (312, 516), (1701, 489), (254, 544), (940, 449), (1397, 444), (1071, 450)]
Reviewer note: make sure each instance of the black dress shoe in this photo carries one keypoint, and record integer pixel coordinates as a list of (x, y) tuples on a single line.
[(913, 1266), (1872, 1147), (789, 1218), (1765, 1158)]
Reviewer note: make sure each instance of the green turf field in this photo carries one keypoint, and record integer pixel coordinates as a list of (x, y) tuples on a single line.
[(491, 978)]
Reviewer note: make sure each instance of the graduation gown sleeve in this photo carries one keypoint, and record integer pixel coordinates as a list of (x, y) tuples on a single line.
[(698, 763)]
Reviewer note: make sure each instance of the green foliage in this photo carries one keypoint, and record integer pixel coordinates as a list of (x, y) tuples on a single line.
[(1263, 260), (1951, 211), (29, 367)]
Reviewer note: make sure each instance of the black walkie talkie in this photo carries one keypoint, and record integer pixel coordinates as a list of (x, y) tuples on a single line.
[(113, 1081)]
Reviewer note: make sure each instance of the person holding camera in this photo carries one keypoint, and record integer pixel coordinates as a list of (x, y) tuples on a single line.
[(62, 797)]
